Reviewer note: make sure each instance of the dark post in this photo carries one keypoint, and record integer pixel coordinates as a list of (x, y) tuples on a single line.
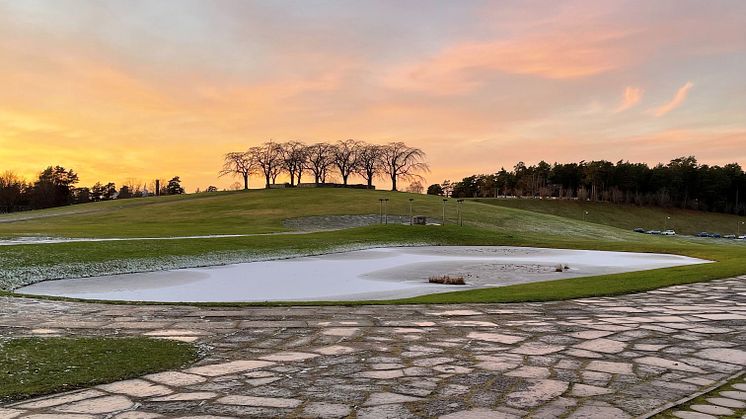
[(157, 187)]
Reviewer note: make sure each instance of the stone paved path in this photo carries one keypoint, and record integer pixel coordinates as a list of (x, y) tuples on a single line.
[(590, 358)]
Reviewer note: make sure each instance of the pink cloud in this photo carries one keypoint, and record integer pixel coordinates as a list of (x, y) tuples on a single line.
[(678, 99), (632, 96)]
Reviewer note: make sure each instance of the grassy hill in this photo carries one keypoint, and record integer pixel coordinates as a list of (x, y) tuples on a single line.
[(629, 216), (263, 211)]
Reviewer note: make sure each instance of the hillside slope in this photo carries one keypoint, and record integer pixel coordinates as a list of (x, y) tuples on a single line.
[(263, 211), (629, 216)]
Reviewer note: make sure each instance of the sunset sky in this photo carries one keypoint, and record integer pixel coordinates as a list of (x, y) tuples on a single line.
[(145, 89)]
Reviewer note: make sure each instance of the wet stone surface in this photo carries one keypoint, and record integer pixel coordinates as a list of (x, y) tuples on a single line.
[(612, 357)]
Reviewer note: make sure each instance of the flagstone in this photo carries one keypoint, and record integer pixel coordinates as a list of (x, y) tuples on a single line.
[(175, 378), (611, 367), (667, 363), (726, 402), (136, 387), (737, 395), (733, 356), (603, 345), (231, 367), (537, 348), (495, 337), (277, 402), (389, 398), (536, 393), (326, 410), (59, 399), (98, 405), (479, 413), (197, 395), (289, 356)]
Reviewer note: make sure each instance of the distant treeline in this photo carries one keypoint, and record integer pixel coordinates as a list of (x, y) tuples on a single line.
[(55, 187), (683, 183)]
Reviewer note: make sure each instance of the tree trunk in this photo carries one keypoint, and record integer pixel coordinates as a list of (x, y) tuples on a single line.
[(245, 182), (393, 183), (266, 185), (344, 179)]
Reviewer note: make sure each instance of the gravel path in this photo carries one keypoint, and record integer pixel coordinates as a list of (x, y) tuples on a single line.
[(609, 357)]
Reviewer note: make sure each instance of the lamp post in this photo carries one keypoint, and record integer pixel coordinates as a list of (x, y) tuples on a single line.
[(585, 214), (386, 211), (380, 211), (738, 228), (460, 212), (410, 210), (667, 219), (444, 211)]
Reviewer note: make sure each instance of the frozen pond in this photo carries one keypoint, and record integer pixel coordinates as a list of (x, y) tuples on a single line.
[(381, 273)]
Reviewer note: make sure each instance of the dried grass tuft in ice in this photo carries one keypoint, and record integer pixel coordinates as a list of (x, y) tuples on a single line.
[(447, 280)]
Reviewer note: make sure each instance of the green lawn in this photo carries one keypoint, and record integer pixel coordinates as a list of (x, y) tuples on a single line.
[(36, 366), (262, 211), (629, 216)]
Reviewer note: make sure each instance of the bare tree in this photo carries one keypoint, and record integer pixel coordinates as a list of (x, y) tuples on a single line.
[(238, 163), (319, 161), (294, 159), (369, 162), (268, 159), (345, 156), (400, 161), (415, 187)]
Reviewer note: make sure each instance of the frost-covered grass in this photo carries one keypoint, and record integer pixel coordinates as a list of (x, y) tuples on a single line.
[(36, 366)]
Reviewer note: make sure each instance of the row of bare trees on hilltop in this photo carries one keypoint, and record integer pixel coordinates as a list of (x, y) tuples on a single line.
[(394, 161)]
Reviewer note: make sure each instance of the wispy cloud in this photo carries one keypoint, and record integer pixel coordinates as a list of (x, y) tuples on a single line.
[(677, 100), (632, 96)]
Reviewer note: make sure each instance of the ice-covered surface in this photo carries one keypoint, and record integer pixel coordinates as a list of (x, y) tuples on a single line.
[(381, 273)]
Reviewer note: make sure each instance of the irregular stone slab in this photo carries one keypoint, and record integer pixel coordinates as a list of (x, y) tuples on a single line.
[(59, 416), (326, 410), (648, 348), (537, 393), (231, 367), (386, 411), (197, 395), (277, 402), (683, 414), (10, 413), (341, 331), (731, 356), (585, 390), (611, 367), (721, 401), (597, 412), (376, 399), (175, 378), (335, 350), (668, 364), (98, 405), (737, 395), (530, 372), (289, 356), (740, 386), (495, 337), (382, 374), (469, 323), (456, 313), (431, 362), (712, 410), (136, 388), (479, 414), (61, 399), (452, 369), (603, 345), (137, 415), (537, 348), (590, 334)]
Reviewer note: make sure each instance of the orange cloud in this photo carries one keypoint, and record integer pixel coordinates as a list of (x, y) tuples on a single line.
[(632, 96), (678, 99)]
